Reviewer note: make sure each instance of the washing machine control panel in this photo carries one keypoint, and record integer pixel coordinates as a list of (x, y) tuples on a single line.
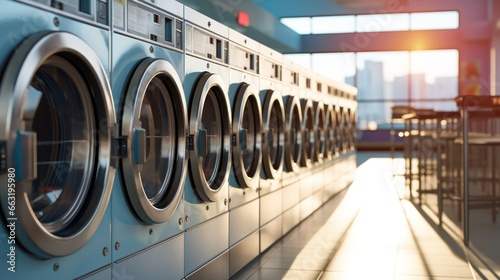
[(270, 69), (148, 23), (91, 10), (244, 59), (290, 76), (206, 45)]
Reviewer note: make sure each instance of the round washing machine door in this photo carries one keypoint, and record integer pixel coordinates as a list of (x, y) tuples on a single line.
[(210, 133), (339, 129), (330, 132), (341, 137), (55, 143), (273, 131), (346, 120), (154, 122), (293, 141), (320, 131), (354, 126), (247, 129), (308, 129)]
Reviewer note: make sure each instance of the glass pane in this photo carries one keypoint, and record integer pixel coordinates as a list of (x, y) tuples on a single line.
[(211, 122), (382, 22), (309, 134), (330, 133), (434, 74), (320, 136), (340, 67), (157, 118), (381, 76), (333, 24), (295, 131), (434, 20), (301, 25), (60, 114), (248, 145), (275, 126)]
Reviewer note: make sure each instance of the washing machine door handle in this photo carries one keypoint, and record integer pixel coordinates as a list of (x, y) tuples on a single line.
[(25, 155), (139, 146), (202, 142)]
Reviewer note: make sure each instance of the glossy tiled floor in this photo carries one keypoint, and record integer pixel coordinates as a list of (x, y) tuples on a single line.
[(365, 232)]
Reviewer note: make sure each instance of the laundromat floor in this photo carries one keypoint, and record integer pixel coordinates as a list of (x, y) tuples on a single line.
[(372, 230)]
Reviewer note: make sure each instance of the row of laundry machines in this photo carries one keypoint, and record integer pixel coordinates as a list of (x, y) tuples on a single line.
[(140, 139)]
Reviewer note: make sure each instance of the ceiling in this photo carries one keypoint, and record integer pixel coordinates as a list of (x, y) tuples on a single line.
[(266, 27), (298, 8)]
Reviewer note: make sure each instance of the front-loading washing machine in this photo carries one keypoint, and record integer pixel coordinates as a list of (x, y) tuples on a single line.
[(55, 140), (352, 119), (350, 131), (347, 154), (209, 143), (148, 66), (344, 121), (273, 146), (331, 149), (293, 145), (273, 119), (306, 163), (246, 150), (319, 142)]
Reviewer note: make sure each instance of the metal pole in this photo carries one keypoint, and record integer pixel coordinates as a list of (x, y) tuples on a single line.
[(465, 173)]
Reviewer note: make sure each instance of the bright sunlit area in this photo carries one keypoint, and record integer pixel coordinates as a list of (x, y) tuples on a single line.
[(424, 79), (373, 23)]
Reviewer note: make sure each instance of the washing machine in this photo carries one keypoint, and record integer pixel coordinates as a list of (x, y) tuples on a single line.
[(350, 132), (147, 206), (307, 179), (352, 117), (206, 191), (293, 123), (293, 145), (273, 147), (344, 121), (246, 150), (56, 140), (347, 157), (319, 151), (331, 154)]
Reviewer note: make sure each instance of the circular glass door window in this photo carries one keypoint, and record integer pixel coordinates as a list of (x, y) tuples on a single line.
[(276, 129), (154, 121), (63, 123), (158, 120), (211, 124), (273, 118), (308, 130), (249, 146), (210, 129), (247, 129)]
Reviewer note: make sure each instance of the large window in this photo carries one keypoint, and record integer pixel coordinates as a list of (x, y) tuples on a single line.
[(382, 81), (434, 20), (340, 67), (382, 22), (373, 23), (333, 24), (422, 79)]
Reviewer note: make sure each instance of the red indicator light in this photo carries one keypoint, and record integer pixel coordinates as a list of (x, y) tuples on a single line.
[(243, 19)]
